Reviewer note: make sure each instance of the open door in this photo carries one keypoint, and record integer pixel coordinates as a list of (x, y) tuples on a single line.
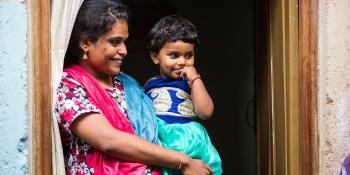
[(277, 87), (286, 86)]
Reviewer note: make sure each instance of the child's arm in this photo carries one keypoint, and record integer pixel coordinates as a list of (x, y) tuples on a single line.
[(203, 103)]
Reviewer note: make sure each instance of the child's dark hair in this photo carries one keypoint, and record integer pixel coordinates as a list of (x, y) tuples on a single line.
[(95, 18), (170, 29)]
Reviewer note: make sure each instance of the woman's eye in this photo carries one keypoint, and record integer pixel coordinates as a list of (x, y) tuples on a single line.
[(115, 42)]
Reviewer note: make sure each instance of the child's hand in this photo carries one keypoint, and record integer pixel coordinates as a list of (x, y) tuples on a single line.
[(189, 73)]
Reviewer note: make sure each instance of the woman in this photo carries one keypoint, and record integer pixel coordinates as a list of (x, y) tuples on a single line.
[(100, 110), (345, 168)]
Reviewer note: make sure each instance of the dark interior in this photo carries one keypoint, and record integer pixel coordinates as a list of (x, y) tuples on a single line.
[(225, 60)]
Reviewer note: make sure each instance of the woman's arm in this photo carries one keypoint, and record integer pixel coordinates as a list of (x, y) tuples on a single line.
[(202, 101), (98, 132)]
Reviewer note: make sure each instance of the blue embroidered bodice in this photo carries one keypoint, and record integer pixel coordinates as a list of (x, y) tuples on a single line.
[(171, 99)]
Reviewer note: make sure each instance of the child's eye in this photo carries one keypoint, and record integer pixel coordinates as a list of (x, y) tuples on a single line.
[(189, 56), (173, 56)]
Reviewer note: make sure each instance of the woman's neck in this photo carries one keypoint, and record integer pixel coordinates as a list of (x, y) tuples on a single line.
[(105, 80)]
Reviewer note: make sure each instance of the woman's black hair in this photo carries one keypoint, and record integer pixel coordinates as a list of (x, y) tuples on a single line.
[(170, 29), (95, 18)]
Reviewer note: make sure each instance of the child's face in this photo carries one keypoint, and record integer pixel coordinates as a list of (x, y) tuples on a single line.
[(173, 57)]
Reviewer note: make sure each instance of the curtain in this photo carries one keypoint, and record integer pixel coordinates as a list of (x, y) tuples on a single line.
[(63, 14)]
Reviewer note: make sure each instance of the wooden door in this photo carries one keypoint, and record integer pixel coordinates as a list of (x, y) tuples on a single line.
[(277, 87)]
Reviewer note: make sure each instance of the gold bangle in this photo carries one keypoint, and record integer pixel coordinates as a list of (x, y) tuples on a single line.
[(182, 159), (195, 78)]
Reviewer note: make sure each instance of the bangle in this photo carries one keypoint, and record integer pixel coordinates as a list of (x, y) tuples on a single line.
[(182, 160), (195, 78)]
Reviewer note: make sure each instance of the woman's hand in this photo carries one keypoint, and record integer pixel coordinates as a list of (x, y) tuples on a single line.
[(195, 167), (128, 147)]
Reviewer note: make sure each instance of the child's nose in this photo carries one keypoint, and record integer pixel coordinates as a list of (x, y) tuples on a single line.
[(181, 61)]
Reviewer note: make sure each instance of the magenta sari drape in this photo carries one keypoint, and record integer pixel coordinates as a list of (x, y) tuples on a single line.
[(103, 164)]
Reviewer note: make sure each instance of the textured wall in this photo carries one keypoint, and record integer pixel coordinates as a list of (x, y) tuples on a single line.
[(13, 89), (334, 84)]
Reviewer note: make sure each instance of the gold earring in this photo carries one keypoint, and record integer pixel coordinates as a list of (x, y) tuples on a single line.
[(85, 57)]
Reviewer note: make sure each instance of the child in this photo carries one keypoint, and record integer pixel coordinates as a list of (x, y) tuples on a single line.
[(178, 93)]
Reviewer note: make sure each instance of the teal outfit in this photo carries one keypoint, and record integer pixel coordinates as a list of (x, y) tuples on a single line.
[(140, 109), (177, 126)]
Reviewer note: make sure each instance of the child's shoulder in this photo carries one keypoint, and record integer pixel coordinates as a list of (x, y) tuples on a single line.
[(151, 79), (160, 80)]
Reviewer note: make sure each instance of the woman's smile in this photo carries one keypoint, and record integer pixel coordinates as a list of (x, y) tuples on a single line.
[(117, 61)]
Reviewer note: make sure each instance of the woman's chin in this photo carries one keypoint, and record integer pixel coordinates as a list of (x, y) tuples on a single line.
[(114, 71)]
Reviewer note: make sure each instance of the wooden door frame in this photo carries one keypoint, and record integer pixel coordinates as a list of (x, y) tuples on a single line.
[(40, 148), (308, 19), (307, 145)]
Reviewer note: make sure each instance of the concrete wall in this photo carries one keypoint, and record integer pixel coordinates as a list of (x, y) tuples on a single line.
[(13, 88), (334, 84)]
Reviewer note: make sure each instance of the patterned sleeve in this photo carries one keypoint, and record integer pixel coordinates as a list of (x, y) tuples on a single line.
[(72, 101)]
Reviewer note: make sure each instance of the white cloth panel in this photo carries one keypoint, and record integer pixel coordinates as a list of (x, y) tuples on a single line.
[(63, 14)]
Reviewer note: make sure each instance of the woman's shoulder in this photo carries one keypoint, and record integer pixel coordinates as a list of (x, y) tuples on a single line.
[(68, 82), (67, 79)]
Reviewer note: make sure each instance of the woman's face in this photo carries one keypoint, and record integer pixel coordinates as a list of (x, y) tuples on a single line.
[(173, 57), (105, 56)]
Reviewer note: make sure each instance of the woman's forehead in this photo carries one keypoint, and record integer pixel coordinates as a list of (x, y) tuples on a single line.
[(119, 30)]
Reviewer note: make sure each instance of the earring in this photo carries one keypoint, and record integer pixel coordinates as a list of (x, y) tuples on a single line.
[(85, 57)]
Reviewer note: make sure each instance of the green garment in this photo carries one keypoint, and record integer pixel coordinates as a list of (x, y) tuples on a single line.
[(192, 139)]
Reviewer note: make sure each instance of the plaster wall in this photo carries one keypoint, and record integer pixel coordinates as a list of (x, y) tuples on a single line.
[(334, 84), (13, 88)]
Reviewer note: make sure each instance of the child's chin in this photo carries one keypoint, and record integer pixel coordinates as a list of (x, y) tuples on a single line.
[(173, 76), (176, 77)]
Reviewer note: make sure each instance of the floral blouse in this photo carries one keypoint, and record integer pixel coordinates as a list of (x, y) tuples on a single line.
[(72, 101)]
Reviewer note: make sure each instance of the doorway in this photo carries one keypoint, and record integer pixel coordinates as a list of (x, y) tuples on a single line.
[(226, 56), (226, 131)]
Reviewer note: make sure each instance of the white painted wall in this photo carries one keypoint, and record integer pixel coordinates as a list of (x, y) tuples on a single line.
[(334, 84), (13, 88)]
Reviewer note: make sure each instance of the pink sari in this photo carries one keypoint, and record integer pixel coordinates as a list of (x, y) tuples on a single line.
[(103, 164)]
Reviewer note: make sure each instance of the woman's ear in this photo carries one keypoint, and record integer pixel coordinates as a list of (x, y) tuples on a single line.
[(154, 57), (84, 45)]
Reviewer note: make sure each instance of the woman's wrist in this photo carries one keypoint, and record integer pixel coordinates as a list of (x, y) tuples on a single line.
[(181, 161), (184, 161)]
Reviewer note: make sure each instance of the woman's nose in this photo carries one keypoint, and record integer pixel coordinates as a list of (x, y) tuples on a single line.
[(122, 50)]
